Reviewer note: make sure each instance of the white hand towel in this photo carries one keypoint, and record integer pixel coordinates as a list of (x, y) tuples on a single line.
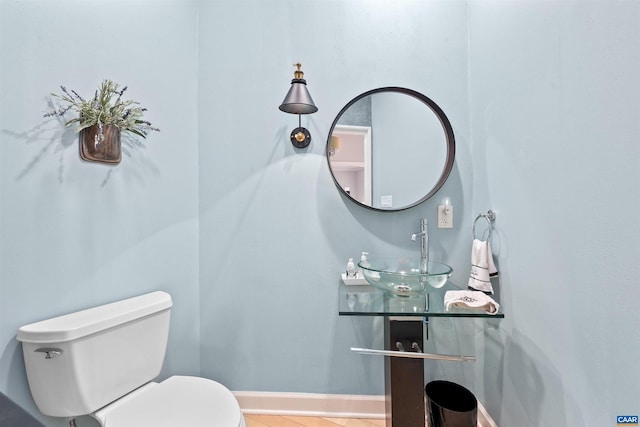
[(475, 300), (482, 267)]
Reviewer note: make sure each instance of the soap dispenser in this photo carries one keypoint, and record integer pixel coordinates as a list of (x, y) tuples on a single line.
[(363, 263)]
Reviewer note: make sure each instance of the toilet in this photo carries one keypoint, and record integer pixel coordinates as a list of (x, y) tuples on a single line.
[(102, 362)]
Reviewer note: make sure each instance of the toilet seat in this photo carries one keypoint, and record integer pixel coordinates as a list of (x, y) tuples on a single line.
[(178, 401)]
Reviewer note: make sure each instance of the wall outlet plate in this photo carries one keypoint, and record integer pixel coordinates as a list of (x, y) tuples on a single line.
[(445, 217)]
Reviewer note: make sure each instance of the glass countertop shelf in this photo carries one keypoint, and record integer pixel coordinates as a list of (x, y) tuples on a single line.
[(365, 300)]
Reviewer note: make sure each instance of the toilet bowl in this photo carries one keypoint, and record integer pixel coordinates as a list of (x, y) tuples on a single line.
[(102, 362)]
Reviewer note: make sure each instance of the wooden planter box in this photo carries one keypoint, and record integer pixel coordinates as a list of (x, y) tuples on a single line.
[(103, 147)]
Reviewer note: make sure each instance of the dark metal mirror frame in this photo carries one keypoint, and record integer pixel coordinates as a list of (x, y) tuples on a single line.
[(446, 125)]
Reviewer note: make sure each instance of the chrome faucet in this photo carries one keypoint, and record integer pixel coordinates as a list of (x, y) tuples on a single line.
[(424, 244)]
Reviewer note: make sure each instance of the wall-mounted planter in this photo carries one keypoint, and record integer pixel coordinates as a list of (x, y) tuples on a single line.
[(101, 143)]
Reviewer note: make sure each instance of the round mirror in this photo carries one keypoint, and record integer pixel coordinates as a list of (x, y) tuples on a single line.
[(390, 149)]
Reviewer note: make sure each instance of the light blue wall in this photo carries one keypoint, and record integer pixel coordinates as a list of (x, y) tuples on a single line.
[(74, 234), (275, 232), (249, 234), (555, 114)]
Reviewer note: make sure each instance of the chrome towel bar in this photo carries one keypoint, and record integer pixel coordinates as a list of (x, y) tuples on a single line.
[(413, 355)]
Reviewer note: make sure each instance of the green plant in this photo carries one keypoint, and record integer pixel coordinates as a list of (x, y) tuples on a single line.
[(105, 108)]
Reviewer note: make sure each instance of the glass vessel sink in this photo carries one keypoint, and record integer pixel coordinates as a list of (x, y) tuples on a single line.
[(402, 276)]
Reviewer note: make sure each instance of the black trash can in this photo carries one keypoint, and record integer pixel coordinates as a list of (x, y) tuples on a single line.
[(450, 405)]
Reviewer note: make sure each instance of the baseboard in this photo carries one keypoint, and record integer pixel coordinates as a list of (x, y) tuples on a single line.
[(311, 404), (324, 405)]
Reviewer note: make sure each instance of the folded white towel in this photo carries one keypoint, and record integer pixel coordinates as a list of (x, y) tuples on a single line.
[(482, 267), (475, 300)]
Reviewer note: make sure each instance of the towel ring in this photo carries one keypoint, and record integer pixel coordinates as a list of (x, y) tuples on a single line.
[(490, 216)]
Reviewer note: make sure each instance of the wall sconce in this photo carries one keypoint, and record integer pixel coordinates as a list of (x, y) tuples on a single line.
[(334, 145), (298, 101)]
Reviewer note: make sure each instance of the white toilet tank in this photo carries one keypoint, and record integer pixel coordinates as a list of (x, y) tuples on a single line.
[(80, 362)]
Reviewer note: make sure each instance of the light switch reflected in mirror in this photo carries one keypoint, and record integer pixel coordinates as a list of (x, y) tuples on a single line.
[(390, 149)]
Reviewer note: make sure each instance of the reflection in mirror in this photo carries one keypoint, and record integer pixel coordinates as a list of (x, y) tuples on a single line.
[(390, 149), (351, 161)]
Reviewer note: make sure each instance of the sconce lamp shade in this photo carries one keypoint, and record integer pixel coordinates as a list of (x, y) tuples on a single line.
[(298, 99)]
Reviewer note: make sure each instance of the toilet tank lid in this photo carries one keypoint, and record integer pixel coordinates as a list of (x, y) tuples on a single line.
[(86, 322)]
